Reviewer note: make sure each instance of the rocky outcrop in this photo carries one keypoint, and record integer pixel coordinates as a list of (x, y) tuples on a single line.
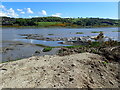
[(110, 53)]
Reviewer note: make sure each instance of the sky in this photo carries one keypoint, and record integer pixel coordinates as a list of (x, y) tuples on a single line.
[(59, 9), (60, 0)]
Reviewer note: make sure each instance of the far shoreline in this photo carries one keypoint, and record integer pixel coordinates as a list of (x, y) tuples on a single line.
[(57, 27)]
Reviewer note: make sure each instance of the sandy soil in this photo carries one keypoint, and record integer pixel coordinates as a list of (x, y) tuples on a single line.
[(84, 70)]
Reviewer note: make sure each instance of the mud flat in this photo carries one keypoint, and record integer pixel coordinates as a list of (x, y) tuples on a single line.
[(18, 50), (84, 70)]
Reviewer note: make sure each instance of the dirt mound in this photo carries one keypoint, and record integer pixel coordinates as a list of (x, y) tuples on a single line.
[(110, 53), (83, 70)]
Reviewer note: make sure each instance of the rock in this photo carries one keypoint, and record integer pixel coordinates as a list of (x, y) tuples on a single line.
[(71, 79), (4, 69), (9, 48), (37, 52), (111, 82)]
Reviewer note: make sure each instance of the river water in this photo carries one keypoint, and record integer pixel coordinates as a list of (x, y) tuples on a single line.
[(14, 50), (12, 34)]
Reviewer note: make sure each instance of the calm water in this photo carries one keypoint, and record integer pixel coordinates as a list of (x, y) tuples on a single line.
[(12, 34), (24, 51)]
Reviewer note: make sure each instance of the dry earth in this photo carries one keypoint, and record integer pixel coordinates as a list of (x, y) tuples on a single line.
[(83, 70)]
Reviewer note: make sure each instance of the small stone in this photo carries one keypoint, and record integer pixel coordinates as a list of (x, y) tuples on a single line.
[(72, 65), (58, 74), (58, 66), (37, 51), (111, 82), (71, 79), (4, 69)]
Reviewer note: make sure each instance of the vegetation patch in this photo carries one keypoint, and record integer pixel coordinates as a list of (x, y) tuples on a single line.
[(47, 49), (115, 31), (58, 22), (95, 44), (44, 24), (96, 31), (41, 45), (75, 46), (79, 33)]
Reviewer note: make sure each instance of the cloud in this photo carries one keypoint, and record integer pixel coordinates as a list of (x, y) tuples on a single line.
[(22, 12), (12, 13), (36, 16), (44, 12), (2, 7), (57, 15), (19, 9), (30, 16), (3, 14), (7, 12), (29, 11)]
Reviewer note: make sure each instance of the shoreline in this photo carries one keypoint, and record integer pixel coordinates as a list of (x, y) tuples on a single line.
[(15, 50), (77, 42), (59, 27)]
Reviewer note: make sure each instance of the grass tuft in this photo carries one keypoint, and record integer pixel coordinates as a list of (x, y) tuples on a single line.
[(96, 31), (79, 33), (47, 49)]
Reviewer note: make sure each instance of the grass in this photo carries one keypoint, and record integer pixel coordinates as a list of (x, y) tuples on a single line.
[(41, 45), (47, 49), (75, 46), (79, 33), (96, 31), (95, 44), (115, 31), (45, 24), (93, 51), (59, 24)]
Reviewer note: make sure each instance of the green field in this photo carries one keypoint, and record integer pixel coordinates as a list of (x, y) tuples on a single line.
[(44, 24)]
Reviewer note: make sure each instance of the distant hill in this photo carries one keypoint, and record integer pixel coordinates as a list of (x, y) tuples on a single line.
[(57, 21)]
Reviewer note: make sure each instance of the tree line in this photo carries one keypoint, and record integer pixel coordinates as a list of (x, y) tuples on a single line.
[(79, 22)]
